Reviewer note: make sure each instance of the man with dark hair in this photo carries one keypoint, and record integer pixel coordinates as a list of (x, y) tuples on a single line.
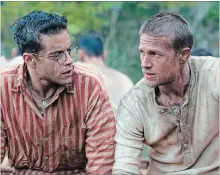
[(91, 52), (92, 44), (174, 109), (55, 115)]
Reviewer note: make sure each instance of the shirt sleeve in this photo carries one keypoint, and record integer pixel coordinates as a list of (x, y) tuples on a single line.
[(129, 141), (214, 83), (3, 138), (100, 144)]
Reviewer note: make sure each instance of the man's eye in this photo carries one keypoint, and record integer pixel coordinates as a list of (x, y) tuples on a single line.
[(56, 54), (152, 53), (141, 52)]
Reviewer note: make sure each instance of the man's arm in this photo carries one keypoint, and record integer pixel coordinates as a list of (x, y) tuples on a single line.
[(129, 138), (5, 167), (214, 83), (3, 137), (100, 144)]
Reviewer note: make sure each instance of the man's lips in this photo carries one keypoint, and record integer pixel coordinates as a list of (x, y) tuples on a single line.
[(149, 76), (148, 73), (68, 71)]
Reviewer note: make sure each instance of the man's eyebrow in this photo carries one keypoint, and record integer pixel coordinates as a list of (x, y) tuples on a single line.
[(60, 50), (53, 52)]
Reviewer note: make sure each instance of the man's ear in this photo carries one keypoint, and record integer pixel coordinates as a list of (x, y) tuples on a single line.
[(104, 55), (29, 59), (82, 55), (185, 55)]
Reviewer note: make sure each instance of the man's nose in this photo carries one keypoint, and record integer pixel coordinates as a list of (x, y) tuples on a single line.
[(146, 63), (69, 59)]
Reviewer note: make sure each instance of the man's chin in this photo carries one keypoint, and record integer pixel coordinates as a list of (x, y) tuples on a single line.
[(66, 82), (150, 84)]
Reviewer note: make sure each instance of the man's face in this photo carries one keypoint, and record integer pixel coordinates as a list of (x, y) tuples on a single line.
[(160, 64), (47, 65)]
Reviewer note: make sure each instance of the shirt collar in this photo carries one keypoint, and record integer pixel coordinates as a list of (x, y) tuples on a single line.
[(20, 80), (70, 88), (192, 72), (190, 86)]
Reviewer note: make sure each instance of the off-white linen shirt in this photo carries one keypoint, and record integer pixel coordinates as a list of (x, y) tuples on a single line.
[(182, 140)]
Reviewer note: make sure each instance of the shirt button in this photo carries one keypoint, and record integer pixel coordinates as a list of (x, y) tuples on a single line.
[(46, 157), (181, 124), (45, 138), (44, 103), (163, 110), (187, 159), (181, 136), (185, 145)]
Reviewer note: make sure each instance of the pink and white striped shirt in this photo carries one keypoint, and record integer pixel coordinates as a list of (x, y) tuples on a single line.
[(74, 135)]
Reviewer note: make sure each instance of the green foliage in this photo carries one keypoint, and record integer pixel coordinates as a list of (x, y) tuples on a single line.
[(119, 24), (81, 16)]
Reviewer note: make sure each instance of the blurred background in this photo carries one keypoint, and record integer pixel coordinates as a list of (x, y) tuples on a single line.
[(118, 23)]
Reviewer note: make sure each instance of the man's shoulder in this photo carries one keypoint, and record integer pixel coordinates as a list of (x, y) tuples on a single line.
[(211, 63), (206, 71), (9, 75), (10, 71), (16, 60), (202, 63), (139, 91)]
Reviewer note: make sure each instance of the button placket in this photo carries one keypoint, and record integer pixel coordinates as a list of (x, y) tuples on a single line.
[(46, 157), (45, 138), (187, 157), (185, 130), (181, 136), (44, 103), (163, 110)]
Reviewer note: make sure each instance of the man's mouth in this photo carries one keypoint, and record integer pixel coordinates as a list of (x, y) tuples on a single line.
[(149, 76), (68, 71)]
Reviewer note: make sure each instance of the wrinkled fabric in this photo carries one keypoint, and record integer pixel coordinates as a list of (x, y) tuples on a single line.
[(181, 140), (74, 134), (116, 83)]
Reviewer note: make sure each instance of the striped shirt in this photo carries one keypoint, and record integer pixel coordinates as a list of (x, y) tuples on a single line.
[(75, 134)]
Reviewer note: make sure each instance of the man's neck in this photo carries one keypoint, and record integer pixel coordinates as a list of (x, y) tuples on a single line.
[(40, 86), (97, 61), (173, 93)]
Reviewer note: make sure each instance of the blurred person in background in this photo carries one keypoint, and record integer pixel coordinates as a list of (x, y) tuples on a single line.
[(16, 57), (200, 52), (14, 52), (55, 115), (3, 62), (174, 109), (92, 53)]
